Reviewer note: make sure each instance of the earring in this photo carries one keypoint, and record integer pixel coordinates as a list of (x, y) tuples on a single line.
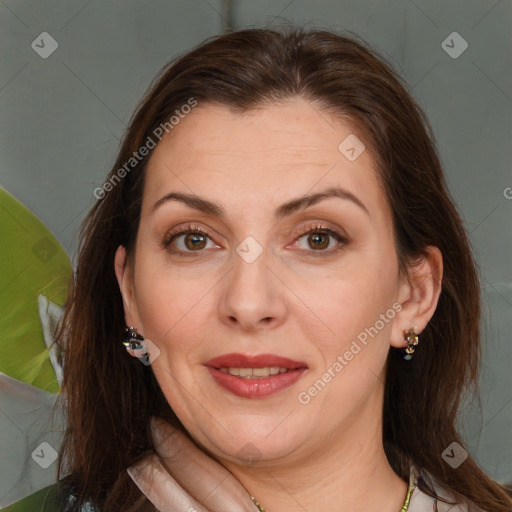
[(133, 343), (412, 340)]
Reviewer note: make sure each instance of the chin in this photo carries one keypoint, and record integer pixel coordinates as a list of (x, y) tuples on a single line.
[(248, 448)]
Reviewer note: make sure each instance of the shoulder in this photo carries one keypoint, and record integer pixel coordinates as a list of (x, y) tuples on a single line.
[(422, 502)]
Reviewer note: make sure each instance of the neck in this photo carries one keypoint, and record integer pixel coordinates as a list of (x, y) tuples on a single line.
[(349, 472)]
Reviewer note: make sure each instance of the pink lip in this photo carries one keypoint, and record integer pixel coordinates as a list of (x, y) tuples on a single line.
[(259, 361), (255, 388)]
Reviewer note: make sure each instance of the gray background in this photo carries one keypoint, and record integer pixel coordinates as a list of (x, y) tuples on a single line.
[(62, 118)]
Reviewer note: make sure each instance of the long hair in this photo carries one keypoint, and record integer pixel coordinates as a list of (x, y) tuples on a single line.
[(110, 397)]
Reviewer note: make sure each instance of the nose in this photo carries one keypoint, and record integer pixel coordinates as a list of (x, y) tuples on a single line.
[(253, 296)]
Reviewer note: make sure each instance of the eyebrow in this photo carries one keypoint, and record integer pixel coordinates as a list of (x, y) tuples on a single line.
[(298, 204)]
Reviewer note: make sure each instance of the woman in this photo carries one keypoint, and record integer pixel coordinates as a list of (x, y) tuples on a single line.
[(276, 270)]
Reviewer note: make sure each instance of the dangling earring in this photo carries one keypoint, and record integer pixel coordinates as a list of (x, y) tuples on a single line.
[(133, 343), (412, 340)]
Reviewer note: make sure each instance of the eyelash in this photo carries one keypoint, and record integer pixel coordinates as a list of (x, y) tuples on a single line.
[(193, 229)]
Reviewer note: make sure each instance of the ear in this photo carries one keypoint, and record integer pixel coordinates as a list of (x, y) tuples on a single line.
[(124, 274), (418, 295)]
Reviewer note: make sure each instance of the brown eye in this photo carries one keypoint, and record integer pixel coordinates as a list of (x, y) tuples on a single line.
[(318, 240), (187, 241), (195, 241)]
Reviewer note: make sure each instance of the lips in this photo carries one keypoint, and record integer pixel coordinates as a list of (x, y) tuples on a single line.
[(246, 387), (257, 361)]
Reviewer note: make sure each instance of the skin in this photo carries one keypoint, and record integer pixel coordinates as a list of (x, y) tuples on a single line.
[(327, 454)]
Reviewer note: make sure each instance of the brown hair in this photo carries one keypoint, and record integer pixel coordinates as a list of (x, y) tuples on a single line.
[(111, 397)]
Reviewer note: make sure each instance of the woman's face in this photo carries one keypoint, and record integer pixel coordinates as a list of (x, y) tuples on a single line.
[(258, 285)]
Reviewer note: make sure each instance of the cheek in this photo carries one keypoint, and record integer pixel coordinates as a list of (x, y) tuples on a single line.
[(344, 302), (166, 300), (349, 320), (351, 343), (175, 310)]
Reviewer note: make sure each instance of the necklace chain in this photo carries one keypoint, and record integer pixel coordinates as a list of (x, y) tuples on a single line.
[(412, 485), (260, 508)]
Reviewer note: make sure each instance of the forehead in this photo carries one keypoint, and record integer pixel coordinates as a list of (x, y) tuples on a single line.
[(285, 149)]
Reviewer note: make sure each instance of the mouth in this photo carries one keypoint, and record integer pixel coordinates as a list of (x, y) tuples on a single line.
[(255, 376), (254, 373)]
